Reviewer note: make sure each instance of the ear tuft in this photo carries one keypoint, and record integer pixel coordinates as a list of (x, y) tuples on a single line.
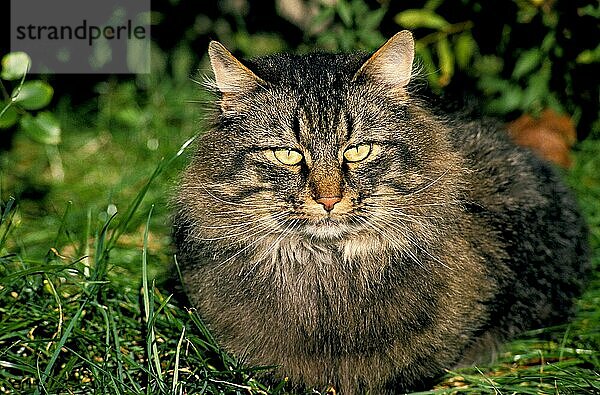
[(391, 64), (231, 76)]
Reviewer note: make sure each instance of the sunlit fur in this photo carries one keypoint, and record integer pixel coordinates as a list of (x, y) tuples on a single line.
[(445, 234)]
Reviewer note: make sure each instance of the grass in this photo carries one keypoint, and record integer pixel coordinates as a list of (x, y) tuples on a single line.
[(83, 305)]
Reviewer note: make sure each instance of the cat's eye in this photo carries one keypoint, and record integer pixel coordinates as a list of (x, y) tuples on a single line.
[(288, 156), (357, 153)]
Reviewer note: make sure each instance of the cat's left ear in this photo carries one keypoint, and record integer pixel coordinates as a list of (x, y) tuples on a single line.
[(391, 64), (231, 76)]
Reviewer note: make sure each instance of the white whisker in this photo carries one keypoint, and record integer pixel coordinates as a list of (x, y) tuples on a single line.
[(223, 200), (258, 240), (415, 243), (283, 234), (270, 220)]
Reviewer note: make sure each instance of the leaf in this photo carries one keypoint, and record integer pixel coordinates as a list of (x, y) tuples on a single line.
[(138, 56), (182, 62), (549, 42), (347, 40), (259, 44), (15, 65), (446, 59), (590, 10), (488, 65), (33, 95), (490, 84), (322, 19), (416, 18), (433, 4), (359, 7), (372, 19), (528, 61), (464, 49), (43, 128), (344, 11), (370, 39), (507, 102), (589, 56), (9, 116), (536, 92), (551, 135)]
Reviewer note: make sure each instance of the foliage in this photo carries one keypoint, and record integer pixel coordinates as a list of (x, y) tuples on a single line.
[(346, 26), (459, 51), (25, 97)]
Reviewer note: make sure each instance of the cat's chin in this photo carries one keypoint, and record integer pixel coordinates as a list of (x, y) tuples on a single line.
[(327, 229)]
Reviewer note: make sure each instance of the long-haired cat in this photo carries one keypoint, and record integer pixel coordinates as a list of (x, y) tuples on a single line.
[(331, 226)]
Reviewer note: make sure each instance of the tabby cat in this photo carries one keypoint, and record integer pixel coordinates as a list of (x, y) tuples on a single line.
[(330, 225)]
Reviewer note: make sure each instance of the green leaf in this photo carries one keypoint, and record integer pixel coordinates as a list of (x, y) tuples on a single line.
[(446, 59), (33, 95), (359, 7), (322, 19), (510, 100), (345, 12), (433, 4), (182, 62), (528, 61), (372, 19), (347, 40), (464, 49), (491, 84), (8, 117), (537, 90), (416, 18), (589, 56), (549, 42), (370, 39), (43, 128), (488, 65), (15, 65), (591, 10)]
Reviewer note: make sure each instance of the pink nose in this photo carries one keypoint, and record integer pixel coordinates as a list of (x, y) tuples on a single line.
[(328, 202)]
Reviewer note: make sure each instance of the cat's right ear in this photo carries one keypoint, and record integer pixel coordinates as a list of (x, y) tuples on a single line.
[(231, 76)]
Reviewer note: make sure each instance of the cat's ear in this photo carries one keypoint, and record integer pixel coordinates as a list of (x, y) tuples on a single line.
[(391, 65), (231, 76)]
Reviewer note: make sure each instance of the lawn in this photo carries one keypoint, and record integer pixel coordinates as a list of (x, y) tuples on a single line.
[(85, 259)]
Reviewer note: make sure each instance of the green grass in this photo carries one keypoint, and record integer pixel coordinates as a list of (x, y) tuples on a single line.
[(83, 304)]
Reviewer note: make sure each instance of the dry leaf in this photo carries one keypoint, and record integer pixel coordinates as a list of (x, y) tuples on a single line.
[(551, 135)]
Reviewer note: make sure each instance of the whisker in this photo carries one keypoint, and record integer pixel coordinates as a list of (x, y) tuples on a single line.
[(417, 245), (283, 234), (401, 249), (253, 219), (258, 240), (410, 217), (260, 225), (223, 200)]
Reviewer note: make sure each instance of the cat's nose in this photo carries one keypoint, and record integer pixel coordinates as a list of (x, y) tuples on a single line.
[(328, 202)]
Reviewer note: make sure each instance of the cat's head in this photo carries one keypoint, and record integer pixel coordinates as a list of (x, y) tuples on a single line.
[(319, 146)]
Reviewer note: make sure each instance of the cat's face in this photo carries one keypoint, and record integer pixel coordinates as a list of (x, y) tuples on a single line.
[(318, 147)]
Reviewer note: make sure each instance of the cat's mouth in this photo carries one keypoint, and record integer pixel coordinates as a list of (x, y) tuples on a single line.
[(326, 228)]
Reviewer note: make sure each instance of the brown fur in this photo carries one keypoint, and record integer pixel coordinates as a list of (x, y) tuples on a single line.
[(445, 235)]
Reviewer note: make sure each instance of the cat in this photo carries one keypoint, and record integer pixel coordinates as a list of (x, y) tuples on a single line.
[(333, 226)]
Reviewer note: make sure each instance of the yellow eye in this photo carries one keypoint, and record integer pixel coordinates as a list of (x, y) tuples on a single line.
[(357, 152), (288, 156)]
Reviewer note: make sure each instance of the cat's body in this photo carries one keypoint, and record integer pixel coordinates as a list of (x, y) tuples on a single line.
[(331, 226)]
